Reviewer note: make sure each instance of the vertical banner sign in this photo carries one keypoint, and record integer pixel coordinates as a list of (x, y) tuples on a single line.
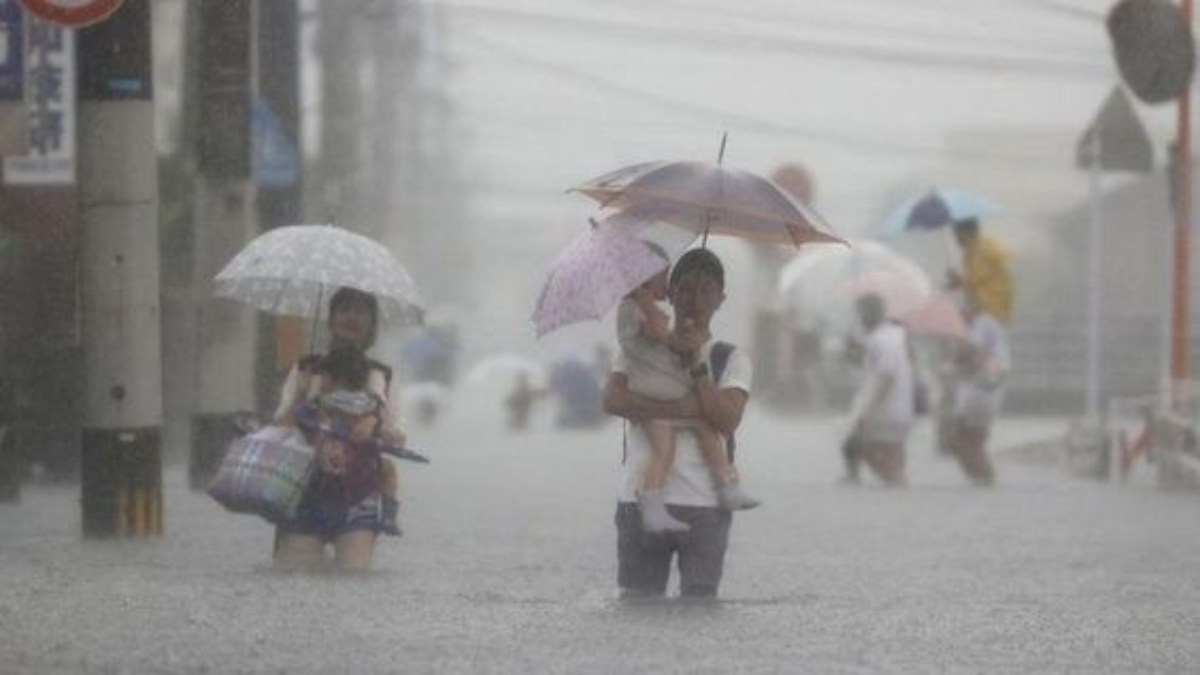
[(14, 117), (50, 79)]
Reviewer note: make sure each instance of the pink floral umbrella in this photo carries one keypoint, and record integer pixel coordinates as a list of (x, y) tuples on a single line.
[(600, 267)]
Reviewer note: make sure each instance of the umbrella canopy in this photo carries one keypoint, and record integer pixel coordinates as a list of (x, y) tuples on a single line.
[(901, 293), (937, 208), (596, 271), (818, 285), (939, 315), (292, 270), (709, 198), (506, 368)]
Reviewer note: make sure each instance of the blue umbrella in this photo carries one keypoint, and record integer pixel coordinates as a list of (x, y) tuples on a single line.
[(937, 208)]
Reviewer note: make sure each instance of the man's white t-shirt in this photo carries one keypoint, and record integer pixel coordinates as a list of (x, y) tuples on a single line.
[(887, 356), (689, 483)]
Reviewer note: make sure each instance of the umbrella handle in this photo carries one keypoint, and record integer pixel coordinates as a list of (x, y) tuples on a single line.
[(312, 330), (707, 216)]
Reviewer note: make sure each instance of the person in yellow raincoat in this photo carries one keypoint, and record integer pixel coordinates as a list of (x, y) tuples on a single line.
[(986, 274)]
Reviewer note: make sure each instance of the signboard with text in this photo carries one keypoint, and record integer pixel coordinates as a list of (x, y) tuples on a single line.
[(50, 80)]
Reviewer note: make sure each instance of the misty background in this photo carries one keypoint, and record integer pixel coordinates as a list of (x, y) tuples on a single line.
[(501, 106)]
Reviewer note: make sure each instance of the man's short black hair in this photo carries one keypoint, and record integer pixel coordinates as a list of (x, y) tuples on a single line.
[(698, 260)]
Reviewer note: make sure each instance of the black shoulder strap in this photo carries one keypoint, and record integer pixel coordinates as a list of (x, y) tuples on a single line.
[(718, 359)]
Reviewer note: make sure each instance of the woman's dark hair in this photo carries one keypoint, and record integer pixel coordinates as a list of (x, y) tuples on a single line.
[(345, 296), (699, 260)]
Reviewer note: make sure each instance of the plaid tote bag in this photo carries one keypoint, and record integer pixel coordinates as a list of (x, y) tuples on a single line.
[(264, 473)]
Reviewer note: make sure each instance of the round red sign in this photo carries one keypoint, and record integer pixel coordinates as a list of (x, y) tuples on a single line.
[(72, 13)]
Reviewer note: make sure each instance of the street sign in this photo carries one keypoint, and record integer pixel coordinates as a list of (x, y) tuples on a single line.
[(50, 77), (72, 13), (1123, 144), (1153, 45), (276, 163)]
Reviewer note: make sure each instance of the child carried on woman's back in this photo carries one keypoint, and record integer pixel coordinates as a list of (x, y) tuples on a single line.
[(343, 418), (655, 370)]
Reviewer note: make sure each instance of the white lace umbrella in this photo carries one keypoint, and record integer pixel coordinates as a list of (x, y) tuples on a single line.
[(819, 285), (506, 367), (292, 271)]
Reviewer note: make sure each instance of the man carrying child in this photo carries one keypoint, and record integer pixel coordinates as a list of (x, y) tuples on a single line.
[(690, 495)]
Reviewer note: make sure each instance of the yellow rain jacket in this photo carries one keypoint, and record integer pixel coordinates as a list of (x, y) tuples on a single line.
[(986, 275)]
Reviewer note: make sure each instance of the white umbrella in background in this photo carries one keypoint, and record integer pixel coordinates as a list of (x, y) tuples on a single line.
[(506, 368), (818, 286)]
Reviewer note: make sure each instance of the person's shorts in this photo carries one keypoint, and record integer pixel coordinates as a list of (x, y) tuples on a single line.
[(644, 560), (326, 520)]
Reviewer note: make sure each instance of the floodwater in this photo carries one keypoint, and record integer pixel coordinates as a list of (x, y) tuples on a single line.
[(507, 566)]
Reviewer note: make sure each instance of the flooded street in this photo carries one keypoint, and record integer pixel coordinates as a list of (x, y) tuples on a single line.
[(508, 566)]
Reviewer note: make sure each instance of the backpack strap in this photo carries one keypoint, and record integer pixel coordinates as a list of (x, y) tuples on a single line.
[(718, 359)]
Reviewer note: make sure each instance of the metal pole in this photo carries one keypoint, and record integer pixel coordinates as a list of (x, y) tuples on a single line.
[(225, 218), (1095, 248), (1183, 237)]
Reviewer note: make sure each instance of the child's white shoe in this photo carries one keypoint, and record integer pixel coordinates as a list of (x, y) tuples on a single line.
[(655, 517)]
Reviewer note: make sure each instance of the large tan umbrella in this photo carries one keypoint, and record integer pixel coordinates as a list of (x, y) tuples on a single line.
[(708, 199)]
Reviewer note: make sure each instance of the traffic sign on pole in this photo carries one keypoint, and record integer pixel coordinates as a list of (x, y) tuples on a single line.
[(72, 13)]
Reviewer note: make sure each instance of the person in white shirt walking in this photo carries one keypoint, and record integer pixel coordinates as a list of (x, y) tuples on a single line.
[(982, 365), (883, 409)]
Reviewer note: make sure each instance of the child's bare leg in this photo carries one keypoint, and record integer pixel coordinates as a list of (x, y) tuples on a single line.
[(655, 517), (729, 487), (661, 436), (389, 478)]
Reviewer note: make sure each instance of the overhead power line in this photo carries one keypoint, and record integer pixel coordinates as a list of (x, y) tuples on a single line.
[(723, 118), (922, 55)]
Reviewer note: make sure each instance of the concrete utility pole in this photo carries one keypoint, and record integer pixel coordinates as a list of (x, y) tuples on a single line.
[(339, 166), (224, 221), (121, 467), (277, 168)]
